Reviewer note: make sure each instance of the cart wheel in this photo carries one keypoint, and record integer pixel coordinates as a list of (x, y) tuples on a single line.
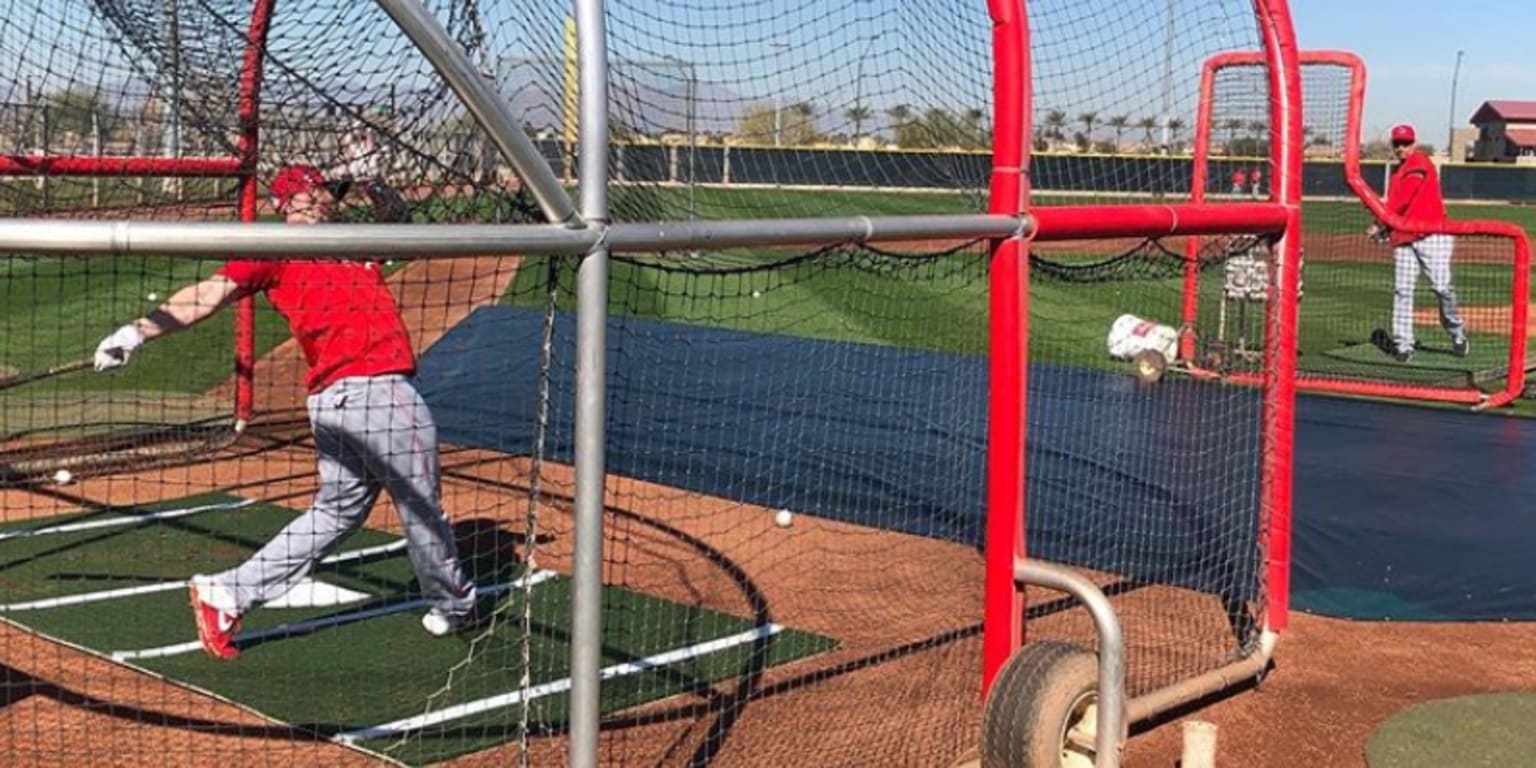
[(1149, 366), (1042, 709)]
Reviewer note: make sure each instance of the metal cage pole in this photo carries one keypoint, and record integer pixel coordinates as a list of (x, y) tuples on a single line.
[(591, 389)]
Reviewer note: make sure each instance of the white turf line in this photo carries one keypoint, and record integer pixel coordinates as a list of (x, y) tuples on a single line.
[(167, 586), (469, 708), (304, 627), (114, 522)]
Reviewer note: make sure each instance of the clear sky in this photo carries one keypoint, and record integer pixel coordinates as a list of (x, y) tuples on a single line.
[(1409, 48)]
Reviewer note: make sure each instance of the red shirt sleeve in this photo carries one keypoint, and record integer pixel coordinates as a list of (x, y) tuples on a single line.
[(250, 275), (1406, 187)]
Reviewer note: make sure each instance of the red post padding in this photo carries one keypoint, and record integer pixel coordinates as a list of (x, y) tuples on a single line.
[(109, 166)]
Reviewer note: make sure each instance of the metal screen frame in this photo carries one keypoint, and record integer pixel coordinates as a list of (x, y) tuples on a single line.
[(1514, 382)]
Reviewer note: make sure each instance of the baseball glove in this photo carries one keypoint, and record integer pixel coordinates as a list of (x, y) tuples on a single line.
[(389, 206)]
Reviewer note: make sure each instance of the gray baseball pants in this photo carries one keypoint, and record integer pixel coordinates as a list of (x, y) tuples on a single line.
[(371, 434), (1430, 256)]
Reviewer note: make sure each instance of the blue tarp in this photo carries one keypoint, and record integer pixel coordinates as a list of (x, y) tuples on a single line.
[(1401, 512), (1413, 513)]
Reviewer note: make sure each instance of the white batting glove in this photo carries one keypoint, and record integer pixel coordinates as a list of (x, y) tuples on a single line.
[(113, 351)]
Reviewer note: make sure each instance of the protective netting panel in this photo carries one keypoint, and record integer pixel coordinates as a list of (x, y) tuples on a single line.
[(719, 110), (1350, 316), (1116, 87), (843, 386), (1154, 491), (115, 79), (1151, 489), (795, 441), (55, 311), (792, 528), (720, 106), (103, 80), (98, 561)]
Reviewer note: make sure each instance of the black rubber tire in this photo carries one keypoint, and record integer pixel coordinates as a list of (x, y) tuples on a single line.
[(1149, 366), (1037, 697)]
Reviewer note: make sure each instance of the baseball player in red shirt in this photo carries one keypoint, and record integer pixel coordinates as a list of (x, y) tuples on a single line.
[(1413, 192), (1239, 178), (372, 430)]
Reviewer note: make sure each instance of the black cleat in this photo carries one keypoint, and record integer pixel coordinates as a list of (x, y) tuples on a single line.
[(1459, 346)]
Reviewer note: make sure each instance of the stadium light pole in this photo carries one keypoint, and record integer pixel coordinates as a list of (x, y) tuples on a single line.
[(1167, 116), (778, 100), (692, 95), (1450, 142), (858, 92)]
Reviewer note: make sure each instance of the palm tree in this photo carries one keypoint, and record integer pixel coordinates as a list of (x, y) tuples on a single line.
[(1174, 126), (804, 129), (1119, 123), (1233, 126), (1148, 125), (1055, 120), (858, 113), (1088, 119)]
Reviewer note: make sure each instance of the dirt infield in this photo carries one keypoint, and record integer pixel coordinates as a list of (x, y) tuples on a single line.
[(903, 683), (1336, 680), (903, 636), (1483, 319)]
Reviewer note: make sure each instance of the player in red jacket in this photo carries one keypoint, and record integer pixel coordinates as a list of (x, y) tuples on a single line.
[(372, 430), (1239, 180), (1413, 193)]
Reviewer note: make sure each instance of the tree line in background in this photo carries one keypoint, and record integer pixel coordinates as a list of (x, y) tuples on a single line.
[(81, 114)]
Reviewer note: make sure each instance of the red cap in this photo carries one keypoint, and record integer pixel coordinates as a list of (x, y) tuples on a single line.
[(293, 179), (1404, 133)]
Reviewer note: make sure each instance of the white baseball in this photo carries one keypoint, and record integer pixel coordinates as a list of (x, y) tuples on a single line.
[(153, 296), (783, 518), (757, 294), (63, 477)]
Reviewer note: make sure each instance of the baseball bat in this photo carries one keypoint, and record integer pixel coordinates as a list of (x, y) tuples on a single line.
[(18, 379)]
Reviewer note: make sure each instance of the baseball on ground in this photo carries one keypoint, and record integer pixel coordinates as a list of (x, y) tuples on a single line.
[(63, 477), (783, 518)]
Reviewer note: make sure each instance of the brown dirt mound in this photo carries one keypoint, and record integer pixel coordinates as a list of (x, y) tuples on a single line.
[(1480, 319)]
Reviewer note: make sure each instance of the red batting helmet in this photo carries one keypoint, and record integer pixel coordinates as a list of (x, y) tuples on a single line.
[(1404, 133), (292, 180)]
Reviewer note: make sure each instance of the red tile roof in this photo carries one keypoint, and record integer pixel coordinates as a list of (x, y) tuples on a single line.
[(1507, 110), (1521, 137)]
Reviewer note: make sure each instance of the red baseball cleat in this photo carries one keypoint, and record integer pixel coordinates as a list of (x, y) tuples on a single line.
[(215, 628)]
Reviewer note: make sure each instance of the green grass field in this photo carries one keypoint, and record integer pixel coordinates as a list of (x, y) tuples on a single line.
[(946, 311), (55, 310), (115, 585)]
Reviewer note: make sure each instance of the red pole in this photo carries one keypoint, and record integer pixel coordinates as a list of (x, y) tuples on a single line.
[(1280, 402), (250, 124), (1081, 222), (1199, 177), (1003, 622), (106, 166), (1520, 298)]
